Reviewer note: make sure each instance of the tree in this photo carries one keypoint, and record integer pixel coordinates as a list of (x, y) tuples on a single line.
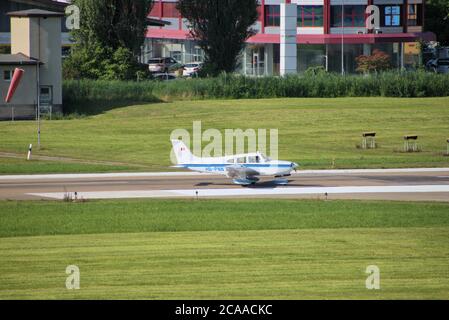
[(437, 19), (377, 61), (109, 39), (113, 23), (221, 28)]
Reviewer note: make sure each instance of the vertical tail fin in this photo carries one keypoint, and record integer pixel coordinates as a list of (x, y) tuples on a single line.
[(182, 153)]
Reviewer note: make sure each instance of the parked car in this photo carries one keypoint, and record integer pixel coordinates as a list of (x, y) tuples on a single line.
[(443, 66), (163, 65), (164, 76), (438, 65), (192, 69)]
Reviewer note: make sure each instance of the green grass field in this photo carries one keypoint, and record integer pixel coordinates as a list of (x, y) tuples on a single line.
[(22, 166), (317, 133), (246, 249)]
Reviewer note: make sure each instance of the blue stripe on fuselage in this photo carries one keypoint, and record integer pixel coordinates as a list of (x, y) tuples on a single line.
[(252, 165)]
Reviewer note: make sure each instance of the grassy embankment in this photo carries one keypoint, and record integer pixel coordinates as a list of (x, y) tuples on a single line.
[(317, 133)]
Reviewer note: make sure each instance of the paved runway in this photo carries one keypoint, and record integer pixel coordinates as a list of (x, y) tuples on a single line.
[(394, 184)]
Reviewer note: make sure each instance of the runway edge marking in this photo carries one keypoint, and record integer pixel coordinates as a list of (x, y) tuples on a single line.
[(247, 192)]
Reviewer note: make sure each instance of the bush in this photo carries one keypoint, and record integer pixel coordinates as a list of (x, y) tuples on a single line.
[(90, 97), (378, 61), (102, 63)]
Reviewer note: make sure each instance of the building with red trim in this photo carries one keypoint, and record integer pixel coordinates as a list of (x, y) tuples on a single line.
[(321, 28)]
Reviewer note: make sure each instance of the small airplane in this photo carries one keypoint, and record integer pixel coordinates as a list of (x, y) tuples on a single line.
[(244, 169)]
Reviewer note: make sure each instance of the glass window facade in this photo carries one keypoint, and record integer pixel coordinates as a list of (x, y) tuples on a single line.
[(311, 55), (414, 15), (272, 15), (391, 16), (353, 16), (310, 16), (350, 52)]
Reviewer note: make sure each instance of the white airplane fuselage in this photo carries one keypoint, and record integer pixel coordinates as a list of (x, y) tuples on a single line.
[(243, 168), (219, 164)]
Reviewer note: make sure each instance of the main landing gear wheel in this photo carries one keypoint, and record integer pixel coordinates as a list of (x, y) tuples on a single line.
[(281, 182)]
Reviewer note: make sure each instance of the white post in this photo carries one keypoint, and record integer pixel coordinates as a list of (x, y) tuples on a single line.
[(288, 45), (401, 47), (29, 152)]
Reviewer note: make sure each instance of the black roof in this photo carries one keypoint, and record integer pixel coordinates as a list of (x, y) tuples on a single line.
[(17, 59), (47, 4), (35, 13)]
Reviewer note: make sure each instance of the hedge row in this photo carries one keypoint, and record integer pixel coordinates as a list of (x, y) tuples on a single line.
[(90, 97)]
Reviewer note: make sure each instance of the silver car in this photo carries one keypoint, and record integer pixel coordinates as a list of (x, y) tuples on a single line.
[(163, 65), (192, 69)]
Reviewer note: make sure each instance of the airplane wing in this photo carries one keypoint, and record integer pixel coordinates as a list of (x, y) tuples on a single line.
[(239, 171)]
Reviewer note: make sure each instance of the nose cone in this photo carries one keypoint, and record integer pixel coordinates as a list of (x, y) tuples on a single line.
[(295, 165)]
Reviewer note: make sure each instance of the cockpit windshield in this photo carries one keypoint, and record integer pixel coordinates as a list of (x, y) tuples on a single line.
[(264, 158)]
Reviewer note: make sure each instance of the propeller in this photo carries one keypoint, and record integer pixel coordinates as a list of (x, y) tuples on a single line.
[(294, 165)]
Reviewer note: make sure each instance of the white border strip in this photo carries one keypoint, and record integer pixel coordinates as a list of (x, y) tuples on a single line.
[(189, 173), (247, 192), (355, 171)]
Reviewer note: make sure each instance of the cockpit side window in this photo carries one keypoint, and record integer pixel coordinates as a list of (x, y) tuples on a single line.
[(241, 160), (252, 159), (231, 160)]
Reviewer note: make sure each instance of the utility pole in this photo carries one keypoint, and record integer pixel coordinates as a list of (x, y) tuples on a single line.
[(38, 106), (342, 38), (39, 91)]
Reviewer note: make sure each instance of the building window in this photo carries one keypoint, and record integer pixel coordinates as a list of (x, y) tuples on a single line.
[(310, 16), (392, 16), (46, 96), (414, 15), (169, 10), (197, 54), (272, 16), (7, 75), (353, 16), (5, 49)]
